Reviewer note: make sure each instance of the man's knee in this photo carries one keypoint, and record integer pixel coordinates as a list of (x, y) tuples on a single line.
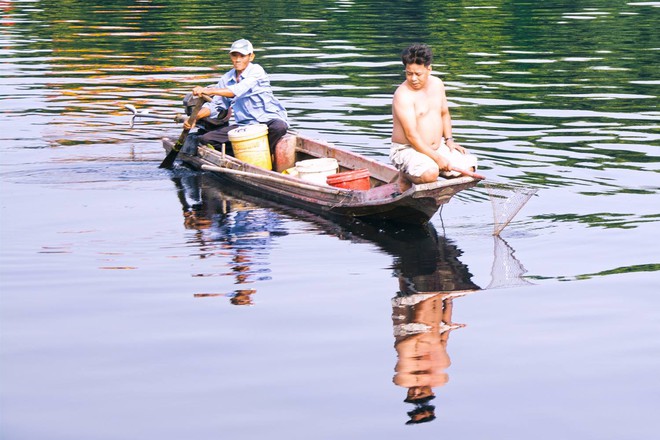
[(277, 127), (430, 175), (206, 139), (276, 130), (216, 137)]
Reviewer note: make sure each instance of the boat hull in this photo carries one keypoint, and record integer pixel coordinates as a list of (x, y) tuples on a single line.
[(382, 203)]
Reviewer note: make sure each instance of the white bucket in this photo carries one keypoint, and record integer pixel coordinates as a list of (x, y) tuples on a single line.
[(317, 170)]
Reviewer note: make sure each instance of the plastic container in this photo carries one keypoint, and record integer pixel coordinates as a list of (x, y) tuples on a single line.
[(317, 170), (250, 144), (356, 179)]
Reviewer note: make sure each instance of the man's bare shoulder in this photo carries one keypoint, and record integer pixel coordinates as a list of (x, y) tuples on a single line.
[(436, 82), (403, 92), (435, 79)]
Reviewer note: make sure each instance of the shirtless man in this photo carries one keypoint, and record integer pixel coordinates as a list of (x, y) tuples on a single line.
[(422, 143)]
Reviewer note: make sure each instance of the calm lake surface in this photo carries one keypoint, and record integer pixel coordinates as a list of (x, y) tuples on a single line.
[(140, 303)]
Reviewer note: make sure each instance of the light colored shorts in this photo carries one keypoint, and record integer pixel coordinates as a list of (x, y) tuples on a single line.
[(410, 161)]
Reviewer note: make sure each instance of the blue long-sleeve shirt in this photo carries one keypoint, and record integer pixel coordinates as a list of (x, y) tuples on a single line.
[(253, 100)]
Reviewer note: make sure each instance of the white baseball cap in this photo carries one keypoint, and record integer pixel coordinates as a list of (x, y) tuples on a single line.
[(242, 46)]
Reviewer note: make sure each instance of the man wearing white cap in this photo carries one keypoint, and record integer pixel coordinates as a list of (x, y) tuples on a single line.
[(246, 93)]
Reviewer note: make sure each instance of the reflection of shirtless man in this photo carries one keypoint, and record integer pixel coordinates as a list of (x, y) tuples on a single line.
[(422, 144)]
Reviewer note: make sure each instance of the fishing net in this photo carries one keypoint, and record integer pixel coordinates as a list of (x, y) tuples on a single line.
[(507, 271), (507, 199)]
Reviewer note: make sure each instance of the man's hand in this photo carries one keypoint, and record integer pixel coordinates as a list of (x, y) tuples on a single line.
[(454, 146), (443, 163), (204, 112), (199, 90), (188, 124)]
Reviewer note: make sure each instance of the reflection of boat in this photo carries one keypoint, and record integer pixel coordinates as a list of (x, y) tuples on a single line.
[(228, 227), (430, 277), (382, 201), (426, 264)]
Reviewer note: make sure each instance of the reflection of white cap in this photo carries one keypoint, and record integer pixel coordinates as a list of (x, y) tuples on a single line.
[(242, 46)]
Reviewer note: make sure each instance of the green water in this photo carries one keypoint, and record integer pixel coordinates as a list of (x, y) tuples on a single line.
[(119, 317)]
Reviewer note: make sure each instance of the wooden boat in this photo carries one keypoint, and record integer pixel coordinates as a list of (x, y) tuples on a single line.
[(382, 202)]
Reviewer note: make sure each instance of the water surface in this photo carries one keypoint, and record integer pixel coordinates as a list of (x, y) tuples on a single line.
[(143, 303)]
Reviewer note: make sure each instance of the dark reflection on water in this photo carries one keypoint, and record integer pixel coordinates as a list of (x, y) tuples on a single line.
[(229, 228), (430, 278), (231, 225)]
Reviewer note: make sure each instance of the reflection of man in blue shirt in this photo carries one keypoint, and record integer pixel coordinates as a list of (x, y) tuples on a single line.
[(244, 91)]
